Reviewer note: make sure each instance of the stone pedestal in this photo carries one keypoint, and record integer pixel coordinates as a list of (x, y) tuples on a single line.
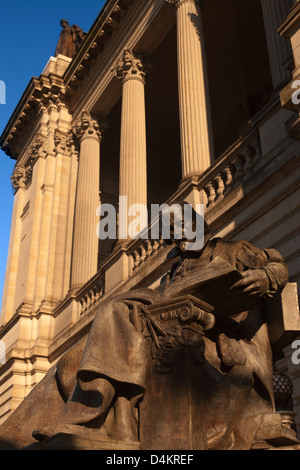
[(175, 397)]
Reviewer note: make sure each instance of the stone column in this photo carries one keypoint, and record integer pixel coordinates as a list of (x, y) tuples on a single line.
[(195, 125), (133, 152), (85, 241), (275, 13)]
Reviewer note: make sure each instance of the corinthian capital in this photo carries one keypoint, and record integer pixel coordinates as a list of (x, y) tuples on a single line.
[(177, 3), (88, 126), (130, 66), (21, 176), (38, 147)]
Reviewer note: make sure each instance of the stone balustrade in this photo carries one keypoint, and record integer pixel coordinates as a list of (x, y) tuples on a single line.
[(232, 169), (91, 293), (142, 250)]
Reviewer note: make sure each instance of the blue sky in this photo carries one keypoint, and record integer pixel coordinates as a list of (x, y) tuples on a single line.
[(29, 31)]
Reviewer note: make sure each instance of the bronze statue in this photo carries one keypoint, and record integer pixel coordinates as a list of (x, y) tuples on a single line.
[(70, 39), (185, 366)]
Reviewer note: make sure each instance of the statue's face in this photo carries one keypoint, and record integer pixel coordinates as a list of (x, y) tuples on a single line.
[(188, 229), (177, 229), (64, 23)]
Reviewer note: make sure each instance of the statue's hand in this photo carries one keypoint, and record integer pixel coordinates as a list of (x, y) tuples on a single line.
[(254, 282)]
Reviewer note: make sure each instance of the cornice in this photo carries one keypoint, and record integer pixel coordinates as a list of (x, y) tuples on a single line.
[(50, 90), (29, 108), (62, 87), (100, 74), (99, 35), (291, 24)]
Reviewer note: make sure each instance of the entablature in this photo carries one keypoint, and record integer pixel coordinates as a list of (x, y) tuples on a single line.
[(55, 87), (27, 113)]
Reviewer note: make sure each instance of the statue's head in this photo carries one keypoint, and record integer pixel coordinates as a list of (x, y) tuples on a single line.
[(64, 23), (184, 226)]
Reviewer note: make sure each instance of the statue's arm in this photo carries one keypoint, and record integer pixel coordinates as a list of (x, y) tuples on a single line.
[(278, 276), (77, 31), (268, 280)]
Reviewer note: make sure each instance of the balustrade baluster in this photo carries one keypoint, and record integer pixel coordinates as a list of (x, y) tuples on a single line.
[(229, 176), (258, 153), (239, 169), (149, 249), (248, 154), (211, 193), (220, 187)]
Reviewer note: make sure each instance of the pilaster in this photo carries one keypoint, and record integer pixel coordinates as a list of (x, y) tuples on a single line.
[(274, 13), (10, 285)]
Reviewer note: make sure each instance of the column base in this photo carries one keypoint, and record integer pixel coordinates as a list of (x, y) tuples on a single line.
[(190, 192), (122, 243), (191, 177), (74, 289)]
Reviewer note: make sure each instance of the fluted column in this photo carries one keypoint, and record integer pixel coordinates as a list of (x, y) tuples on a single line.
[(196, 134), (275, 13), (133, 153), (85, 241)]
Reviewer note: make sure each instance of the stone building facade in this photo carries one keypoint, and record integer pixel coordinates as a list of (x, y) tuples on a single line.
[(164, 100)]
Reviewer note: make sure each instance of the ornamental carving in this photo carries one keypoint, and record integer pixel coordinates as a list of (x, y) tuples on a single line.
[(22, 173), (170, 345), (38, 147), (65, 143), (21, 177), (176, 327), (88, 126), (51, 102), (131, 66)]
